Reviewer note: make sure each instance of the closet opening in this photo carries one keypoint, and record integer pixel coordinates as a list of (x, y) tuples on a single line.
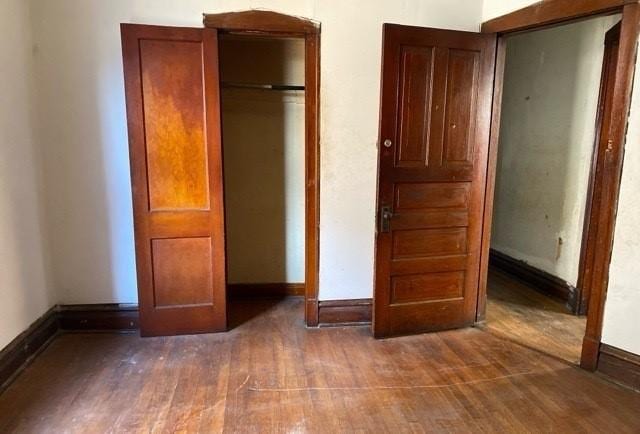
[(270, 92), (263, 135)]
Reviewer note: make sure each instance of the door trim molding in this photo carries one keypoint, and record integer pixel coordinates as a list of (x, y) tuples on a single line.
[(561, 12), (269, 23), (550, 12)]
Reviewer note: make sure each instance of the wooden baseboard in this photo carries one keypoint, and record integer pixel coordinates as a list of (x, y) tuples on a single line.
[(345, 312), (98, 317), (20, 351), (620, 366), (537, 279), (251, 290)]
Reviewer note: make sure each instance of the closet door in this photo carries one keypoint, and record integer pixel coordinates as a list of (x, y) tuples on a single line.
[(173, 112)]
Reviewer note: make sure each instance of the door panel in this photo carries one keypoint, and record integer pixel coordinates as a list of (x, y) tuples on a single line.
[(171, 85), (435, 115)]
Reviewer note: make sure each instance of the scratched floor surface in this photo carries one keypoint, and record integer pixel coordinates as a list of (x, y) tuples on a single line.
[(270, 374)]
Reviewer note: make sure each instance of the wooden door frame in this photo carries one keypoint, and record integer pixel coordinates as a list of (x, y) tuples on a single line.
[(555, 12), (268, 23)]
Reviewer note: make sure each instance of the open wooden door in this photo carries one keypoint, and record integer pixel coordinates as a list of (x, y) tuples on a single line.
[(173, 111), (434, 137)]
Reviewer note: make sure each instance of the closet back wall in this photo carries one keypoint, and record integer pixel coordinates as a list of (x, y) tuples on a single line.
[(263, 139)]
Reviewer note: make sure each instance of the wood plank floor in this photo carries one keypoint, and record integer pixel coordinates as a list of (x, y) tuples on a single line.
[(519, 313), (270, 374)]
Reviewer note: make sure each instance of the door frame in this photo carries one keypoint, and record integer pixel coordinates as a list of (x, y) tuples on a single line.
[(535, 17), (269, 23)]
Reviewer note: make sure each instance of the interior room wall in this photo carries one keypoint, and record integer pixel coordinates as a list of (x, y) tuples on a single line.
[(83, 133), (25, 290), (263, 137), (621, 327), (547, 135)]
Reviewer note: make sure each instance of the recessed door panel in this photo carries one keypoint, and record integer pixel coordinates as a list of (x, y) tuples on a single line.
[(174, 122)]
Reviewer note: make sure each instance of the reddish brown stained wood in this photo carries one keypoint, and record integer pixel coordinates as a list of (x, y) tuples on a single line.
[(556, 12), (436, 106), (494, 141), (344, 312), (611, 173), (620, 366), (164, 168), (174, 124), (268, 23), (594, 193), (258, 21), (312, 176), (549, 12), (272, 375)]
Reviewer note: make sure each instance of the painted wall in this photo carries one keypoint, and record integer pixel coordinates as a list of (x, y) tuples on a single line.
[(78, 68), (621, 326), (546, 142), (24, 287), (263, 137)]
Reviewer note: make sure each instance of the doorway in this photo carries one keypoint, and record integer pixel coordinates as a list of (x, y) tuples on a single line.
[(552, 106), (263, 119)]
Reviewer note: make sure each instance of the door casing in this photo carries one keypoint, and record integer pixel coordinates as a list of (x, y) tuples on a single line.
[(268, 23), (535, 17)]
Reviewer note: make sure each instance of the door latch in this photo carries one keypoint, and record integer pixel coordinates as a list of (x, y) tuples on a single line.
[(385, 218)]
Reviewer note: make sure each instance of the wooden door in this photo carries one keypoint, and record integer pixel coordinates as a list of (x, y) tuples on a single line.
[(434, 138), (173, 112)]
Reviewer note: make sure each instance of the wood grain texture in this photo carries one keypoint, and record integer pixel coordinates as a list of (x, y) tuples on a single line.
[(344, 312), (173, 113), (620, 366), (273, 24), (270, 374), (598, 158), (547, 12), (434, 141), (519, 313), (610, 181), (258, 21), (494, 141)]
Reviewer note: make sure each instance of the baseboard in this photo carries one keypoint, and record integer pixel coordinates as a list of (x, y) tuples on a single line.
[(537, 279), (620, 366), (98, 317), (20, 351), (345, 312), (252, 290)]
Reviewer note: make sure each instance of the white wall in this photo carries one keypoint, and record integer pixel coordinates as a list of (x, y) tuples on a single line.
[(263, 137), (24, 288), (83, 130), (547, 133), (621, 326)]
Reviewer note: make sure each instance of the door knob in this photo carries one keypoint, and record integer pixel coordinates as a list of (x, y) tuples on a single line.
[(387, 143)]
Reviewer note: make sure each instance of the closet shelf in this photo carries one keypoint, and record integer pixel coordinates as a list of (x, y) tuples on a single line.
[(226, 85)]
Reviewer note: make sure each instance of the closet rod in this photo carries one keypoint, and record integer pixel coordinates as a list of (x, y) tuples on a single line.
[(226, 85)]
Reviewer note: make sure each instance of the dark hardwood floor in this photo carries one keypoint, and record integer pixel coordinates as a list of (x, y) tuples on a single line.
[(271, 374), (518, 312)]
